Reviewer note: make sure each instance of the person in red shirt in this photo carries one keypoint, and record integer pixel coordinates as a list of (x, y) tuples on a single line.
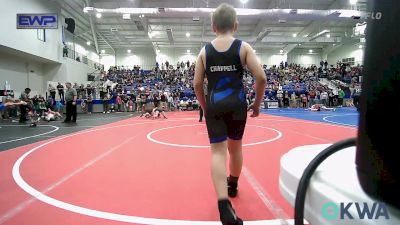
[(119, 103)]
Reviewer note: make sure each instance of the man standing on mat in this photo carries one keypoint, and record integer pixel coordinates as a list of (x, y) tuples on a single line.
[(225, 108), (70, 99)]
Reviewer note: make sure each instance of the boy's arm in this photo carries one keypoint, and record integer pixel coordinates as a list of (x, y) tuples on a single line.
[(255, 68), (198, 81)]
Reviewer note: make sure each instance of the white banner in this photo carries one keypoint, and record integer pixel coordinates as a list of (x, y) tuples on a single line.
[(272, 104)]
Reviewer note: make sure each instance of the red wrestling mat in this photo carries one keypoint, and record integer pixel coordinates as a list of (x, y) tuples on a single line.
[(142, 171)]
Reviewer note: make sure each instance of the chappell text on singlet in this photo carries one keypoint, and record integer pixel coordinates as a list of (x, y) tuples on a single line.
[(230, 68)]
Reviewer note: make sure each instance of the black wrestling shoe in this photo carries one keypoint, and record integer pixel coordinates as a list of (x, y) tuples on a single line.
[(227, 214), (232, 188)]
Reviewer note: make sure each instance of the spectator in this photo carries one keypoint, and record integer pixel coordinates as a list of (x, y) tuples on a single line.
[(293, 100), (130, 105), (285, 99), (331, 96), (52, 91), (89, 90), (341, 95), (106, 98), (312, 96), (65, 51), (304, 100), (279, 95), (60, 89), (356, 96), (163, 101), (89, 102), (324, 98), (119, 102), (24, 108)]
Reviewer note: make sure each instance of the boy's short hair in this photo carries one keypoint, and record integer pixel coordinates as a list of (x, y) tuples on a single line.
[(224, 18)]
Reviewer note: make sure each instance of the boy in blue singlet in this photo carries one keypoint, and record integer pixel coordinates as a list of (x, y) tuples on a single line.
[(222, 62)]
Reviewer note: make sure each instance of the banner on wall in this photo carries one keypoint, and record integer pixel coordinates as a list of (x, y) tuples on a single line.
[(37, 21), (271, 104)]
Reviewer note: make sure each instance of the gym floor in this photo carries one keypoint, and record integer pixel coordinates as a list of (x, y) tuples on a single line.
[(121, 169)]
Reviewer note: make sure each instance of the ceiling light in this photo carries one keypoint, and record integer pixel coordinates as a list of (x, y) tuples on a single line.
[(128, 51), (187, 34), (244, 1), (310, 51), (188, 51), (158, 50), (98, 15), (328, 35), (88, 9), (126, 16), (88, 43), (360, 46), (299, 44), (281, 51), (353, 2), (294, 35), (103, 51)]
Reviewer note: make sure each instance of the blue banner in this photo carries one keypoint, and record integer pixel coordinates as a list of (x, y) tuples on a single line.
[(37, 21)]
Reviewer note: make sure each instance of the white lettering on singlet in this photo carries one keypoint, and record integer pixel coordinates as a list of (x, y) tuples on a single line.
[(231, 68)]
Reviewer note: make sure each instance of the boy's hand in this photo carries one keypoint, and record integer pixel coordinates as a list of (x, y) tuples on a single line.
[(255, 109)]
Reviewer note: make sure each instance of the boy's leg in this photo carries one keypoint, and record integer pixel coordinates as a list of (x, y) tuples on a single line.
[(235, 165), (218, 168), (235, 157), (218, 172)]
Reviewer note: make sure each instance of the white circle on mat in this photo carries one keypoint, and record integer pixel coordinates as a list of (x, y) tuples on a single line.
[(55, 128), (103, 214), (149, 136)]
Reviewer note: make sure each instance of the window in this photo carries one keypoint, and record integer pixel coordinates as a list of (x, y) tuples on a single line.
[(41, 35)]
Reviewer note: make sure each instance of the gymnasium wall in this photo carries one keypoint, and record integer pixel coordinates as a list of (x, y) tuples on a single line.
[(69, 71), (347, 51), (107, 61), (304, 58), (21, 73), (174, 55), (145, 57), (270, 57)]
